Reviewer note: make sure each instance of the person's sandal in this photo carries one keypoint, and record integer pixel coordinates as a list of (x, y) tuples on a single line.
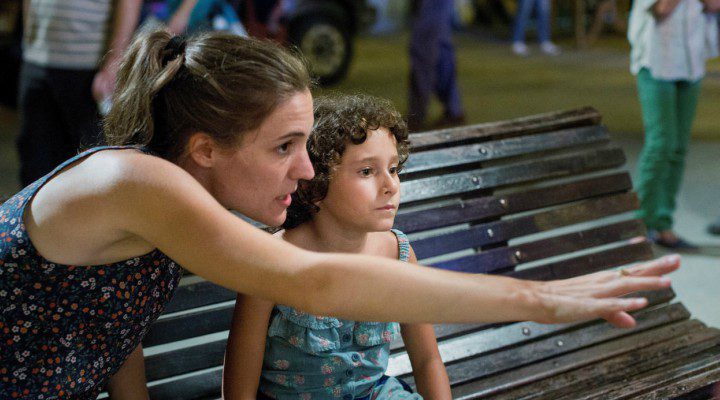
[(679, 245), (714, 228)]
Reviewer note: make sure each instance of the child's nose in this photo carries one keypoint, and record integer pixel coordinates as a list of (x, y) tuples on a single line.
[(391, 184)]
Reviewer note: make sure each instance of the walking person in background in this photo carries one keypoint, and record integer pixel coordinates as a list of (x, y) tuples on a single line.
[(542, 9), (671, 41), (432, 64), (65, 76)]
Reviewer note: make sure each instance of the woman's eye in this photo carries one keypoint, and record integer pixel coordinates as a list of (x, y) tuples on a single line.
[(284, 148), (366, 171), (394, 170)]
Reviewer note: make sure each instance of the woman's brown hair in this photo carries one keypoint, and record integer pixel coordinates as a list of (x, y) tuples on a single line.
[(342, 120), (218, 83)]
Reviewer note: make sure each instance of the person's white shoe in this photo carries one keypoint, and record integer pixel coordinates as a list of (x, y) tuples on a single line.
[(520, 49), (549, 48)]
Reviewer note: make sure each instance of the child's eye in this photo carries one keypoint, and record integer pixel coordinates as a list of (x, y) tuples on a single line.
[(366, 171), (395, 170)]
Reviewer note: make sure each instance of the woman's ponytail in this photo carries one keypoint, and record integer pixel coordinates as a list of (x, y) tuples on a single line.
[(149, 65)]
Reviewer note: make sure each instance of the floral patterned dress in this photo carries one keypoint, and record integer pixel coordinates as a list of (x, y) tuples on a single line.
[(65, 329), (315, 357)]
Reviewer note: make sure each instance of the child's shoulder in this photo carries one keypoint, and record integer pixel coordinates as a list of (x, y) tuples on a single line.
[(391, 244)]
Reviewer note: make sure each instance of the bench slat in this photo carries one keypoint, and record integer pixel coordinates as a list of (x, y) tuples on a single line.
[(525, 125), (522, 172), (198, 295), (461, 156), (512, 256), (189, 325), (504, 230), (608, 361), (558, 375), (697, 370), (484, 365), (588, 263), (205, 385), (470, 210)]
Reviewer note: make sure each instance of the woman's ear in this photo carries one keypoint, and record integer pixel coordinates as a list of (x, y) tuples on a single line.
[(202, 149)]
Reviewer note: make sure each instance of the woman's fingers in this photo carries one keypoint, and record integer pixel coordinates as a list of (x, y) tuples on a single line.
[(620, 319), (623, 286), (657, 267)]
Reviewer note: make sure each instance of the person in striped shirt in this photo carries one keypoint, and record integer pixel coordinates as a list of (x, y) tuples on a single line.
[(71, 50)]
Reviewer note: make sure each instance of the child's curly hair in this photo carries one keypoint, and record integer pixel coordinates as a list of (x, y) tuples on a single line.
[(339, 120)]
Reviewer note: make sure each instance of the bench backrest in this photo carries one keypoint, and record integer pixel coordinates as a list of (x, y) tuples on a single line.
[(539, 197)]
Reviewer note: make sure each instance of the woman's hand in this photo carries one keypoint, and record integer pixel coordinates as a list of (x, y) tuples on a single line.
[(595, 295)]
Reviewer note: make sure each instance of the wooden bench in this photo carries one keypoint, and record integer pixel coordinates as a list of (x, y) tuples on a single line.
[(540, 197)]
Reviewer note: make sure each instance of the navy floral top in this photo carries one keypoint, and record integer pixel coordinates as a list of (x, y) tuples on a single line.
[(315, 357), (65, 329)]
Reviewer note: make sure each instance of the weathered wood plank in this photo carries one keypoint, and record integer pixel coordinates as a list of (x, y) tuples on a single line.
[(189, 325), (588, 263), (483, 365), (199, 386), (592, 366), (681, 376), (476, 209), (525, 125), (501, 231), (505, 175), (198, 295), (511, 256), (459, 156)]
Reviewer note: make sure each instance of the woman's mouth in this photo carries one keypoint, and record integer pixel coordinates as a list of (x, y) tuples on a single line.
[(284, 200), (387, 207)]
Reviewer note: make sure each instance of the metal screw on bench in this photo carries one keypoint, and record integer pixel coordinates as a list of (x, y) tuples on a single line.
[(490, 233), (476, 180), (526, 331), (560, 343), (482, 150), (504, 203), (518, 255)]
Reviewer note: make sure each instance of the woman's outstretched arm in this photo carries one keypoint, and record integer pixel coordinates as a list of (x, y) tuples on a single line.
[(170, 210)]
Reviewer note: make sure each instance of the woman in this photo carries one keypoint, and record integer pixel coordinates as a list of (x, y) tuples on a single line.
[(90, 253)]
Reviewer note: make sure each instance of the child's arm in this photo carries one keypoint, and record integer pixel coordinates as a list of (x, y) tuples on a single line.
[(428, 368), (245, 348)]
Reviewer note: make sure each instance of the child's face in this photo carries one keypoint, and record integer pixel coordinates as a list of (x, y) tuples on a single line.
[(364, 189)]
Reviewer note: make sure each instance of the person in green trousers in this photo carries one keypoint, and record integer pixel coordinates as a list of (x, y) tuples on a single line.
[(671, 41)]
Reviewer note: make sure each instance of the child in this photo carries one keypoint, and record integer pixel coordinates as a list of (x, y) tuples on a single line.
[(357, 148)]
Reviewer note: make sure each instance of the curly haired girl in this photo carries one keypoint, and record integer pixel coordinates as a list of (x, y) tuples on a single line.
[(357, 148)]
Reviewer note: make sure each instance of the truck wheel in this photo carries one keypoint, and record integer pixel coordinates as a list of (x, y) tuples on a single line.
[(326, 44)]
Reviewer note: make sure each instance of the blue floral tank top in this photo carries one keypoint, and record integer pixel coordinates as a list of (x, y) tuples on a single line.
[(315, 357), (65, 329)]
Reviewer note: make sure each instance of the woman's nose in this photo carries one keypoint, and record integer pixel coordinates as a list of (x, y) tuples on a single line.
[(302, 169)]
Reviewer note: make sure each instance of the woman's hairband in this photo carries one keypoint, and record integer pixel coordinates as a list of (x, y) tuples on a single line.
[(174, 48)]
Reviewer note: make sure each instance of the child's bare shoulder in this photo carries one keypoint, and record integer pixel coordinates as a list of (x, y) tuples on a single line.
[(386, 244)]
